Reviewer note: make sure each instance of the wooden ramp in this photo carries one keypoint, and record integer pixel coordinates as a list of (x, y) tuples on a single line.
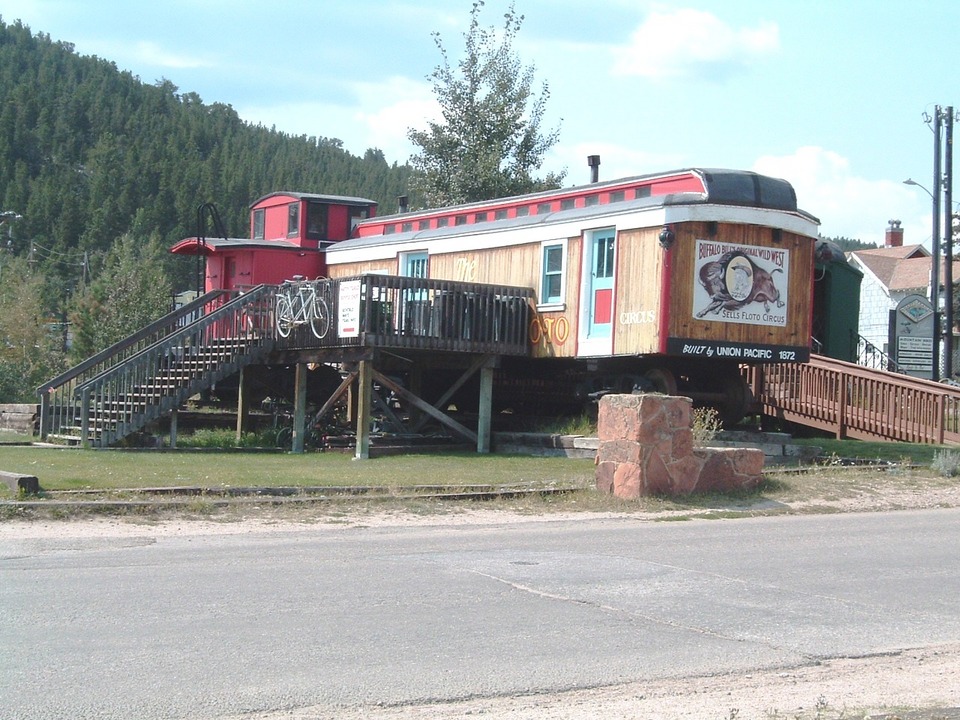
[(852, 401)]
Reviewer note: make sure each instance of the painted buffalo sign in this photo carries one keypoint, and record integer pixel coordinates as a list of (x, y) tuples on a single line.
[(741, 283)]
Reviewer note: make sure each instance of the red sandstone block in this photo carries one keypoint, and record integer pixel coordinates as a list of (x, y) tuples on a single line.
[(619, 451), (627, 481), (604, 475)]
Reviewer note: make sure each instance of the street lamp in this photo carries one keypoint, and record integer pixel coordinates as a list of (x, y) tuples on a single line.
[(911, 181)]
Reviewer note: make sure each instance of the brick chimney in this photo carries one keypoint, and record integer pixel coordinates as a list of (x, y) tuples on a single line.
[(894, 235)]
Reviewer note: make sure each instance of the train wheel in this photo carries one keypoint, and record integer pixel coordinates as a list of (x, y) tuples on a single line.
[(737, 400), (662, 380)]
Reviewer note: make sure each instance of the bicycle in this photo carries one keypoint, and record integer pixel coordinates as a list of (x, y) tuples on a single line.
[(299, 303)]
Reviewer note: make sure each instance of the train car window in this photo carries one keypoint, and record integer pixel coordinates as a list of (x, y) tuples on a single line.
[(568, 203), (293, 219), (591, 200), (543, 208), (480, 217), (389, 229), (258, 224), (642, 192), (423, 225), (603, 256), (523, 211), (551, 281), (406, 227), (460, 220), (500, 214), (443, 222), (316, 221), (616, 196)]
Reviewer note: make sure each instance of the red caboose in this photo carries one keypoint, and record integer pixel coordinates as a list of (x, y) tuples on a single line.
[(289, 234)]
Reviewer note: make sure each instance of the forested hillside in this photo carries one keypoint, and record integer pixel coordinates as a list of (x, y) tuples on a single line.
[(107, 172), (88, 153)]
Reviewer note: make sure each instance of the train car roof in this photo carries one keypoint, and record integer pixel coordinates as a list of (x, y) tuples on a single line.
[(723, 187), (212, 245), (331, 199)]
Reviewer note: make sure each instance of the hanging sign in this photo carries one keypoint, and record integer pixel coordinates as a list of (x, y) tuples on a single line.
[(348, 303)]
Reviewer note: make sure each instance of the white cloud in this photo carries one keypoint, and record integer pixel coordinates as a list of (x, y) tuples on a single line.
[(616, 161), (389, 109), (691, 43), (849, 205), (378, 116)]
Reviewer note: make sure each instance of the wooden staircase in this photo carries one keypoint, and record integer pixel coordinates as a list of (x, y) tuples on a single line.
[(153, 372)]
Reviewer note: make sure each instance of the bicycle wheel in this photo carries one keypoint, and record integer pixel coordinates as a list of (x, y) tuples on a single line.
[(285, 438), (320, 317), (284, 316)]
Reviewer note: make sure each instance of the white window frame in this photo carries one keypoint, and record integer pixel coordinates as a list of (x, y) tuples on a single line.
[(544, 303)]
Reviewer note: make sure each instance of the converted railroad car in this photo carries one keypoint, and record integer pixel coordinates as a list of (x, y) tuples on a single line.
[(667, 282), (288, 233)]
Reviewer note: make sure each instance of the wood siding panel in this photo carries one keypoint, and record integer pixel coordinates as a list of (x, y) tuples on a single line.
[(377, 267), (639, 272), (553, 333)]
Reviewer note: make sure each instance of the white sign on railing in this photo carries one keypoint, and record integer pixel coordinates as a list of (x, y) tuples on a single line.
[(348, 302)]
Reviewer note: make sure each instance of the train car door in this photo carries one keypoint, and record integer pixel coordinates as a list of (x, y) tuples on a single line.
[(415, 306), (597, 302)]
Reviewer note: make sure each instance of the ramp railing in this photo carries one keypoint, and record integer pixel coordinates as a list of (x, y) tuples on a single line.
[(852, 401)]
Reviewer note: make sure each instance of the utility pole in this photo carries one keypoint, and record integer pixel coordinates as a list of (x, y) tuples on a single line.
[(935, 264), (948, 119)]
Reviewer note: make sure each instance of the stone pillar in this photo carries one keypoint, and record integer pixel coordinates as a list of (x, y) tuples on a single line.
[(646, 448)]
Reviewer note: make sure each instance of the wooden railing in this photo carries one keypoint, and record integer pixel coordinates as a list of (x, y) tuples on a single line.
[(852, 401), (158, 379), (66, 402), (58, 405), (393, 311)]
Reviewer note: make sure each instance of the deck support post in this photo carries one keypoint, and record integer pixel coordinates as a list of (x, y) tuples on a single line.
[(364, 404), (243, 404), (299, 407), (174, 416), (485, 410), (44, 414)]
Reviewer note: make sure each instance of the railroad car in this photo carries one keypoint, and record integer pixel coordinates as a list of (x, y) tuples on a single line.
[(668, 282)]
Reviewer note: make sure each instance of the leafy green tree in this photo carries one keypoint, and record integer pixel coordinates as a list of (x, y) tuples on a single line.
[(31, 336), (489, 142), (131, 290)]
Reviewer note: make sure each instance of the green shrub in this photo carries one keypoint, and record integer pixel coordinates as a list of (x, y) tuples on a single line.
[(705, 424), (946, 463)]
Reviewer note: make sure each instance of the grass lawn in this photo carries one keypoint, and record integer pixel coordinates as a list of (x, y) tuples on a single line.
[(825, 486), (73, 469)]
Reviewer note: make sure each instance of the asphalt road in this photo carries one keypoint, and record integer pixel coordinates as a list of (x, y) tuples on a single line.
[(203, 626)]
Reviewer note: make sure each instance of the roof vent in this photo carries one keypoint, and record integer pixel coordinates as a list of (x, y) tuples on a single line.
[(594, 162)]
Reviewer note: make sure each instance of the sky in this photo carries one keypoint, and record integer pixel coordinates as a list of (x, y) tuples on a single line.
[(833, 95)]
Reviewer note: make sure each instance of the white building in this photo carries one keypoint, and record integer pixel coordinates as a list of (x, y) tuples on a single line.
[(890, 274)]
